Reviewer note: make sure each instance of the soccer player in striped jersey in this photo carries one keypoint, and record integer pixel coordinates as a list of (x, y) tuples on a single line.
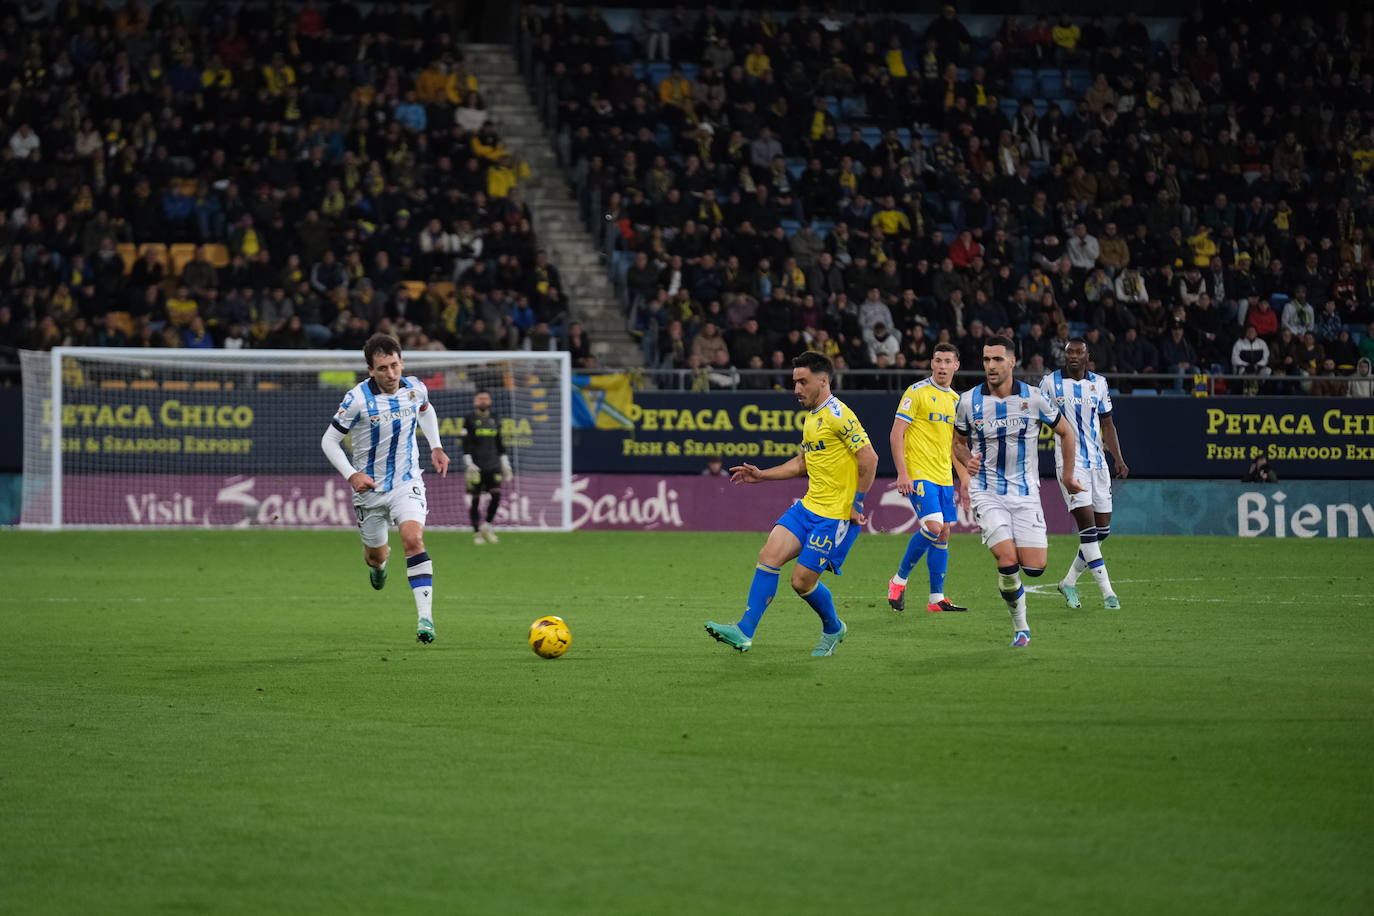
[(384, 472), (818, 531), (1087, 404), (996, 429), (921, 440)]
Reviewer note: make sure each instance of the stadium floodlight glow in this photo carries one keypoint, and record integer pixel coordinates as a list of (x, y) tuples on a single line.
[(176, 438)]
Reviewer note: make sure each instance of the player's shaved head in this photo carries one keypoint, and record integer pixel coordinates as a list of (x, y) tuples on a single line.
[(1076, 357)]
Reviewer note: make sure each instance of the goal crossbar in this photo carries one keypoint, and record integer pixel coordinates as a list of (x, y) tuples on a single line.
[(528, 386)]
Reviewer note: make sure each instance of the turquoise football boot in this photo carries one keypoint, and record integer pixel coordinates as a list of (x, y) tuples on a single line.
[(729, 634), (377, 575), (424, 631), (829, 641), (1070, 593)]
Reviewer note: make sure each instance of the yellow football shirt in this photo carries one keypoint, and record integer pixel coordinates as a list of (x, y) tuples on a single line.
[(829, 440), (930, 411), (891, 221)]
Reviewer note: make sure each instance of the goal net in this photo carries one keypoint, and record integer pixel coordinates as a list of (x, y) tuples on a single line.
[(216, 438)]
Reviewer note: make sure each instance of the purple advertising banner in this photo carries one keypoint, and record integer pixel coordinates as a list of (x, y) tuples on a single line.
[(600, 502)]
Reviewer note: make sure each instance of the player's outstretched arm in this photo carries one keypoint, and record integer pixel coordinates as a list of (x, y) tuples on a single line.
[(1113, 444), (896, 440), (1068, 449), (748, 473)]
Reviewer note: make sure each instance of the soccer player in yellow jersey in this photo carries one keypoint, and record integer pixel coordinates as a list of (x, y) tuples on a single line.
[(922, 440), (817, 532)]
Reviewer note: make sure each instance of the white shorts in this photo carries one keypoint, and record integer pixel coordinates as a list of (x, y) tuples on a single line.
[(377, 511), (1097, 490), (1002, 517)]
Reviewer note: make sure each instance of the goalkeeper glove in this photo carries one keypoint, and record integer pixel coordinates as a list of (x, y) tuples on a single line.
[(474, 474), (506, 472)]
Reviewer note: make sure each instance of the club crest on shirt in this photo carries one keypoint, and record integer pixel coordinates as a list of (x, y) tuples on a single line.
[(1025, 405), (412, 394)]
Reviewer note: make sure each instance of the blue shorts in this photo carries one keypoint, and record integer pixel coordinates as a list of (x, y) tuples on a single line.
[(932, 499), (825, 542)]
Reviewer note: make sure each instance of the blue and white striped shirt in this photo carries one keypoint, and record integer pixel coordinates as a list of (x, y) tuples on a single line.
[(383, 427), (1083, 402), (1004, 432)]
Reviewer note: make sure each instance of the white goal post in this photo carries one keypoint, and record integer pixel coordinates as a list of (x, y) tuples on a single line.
[(177, 438)]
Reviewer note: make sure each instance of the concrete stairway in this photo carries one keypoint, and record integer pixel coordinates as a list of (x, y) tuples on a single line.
[(557, 225)]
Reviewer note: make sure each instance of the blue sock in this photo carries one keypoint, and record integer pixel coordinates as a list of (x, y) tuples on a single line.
[(823, 603), (937, 564), (761, 592), (920, 542)]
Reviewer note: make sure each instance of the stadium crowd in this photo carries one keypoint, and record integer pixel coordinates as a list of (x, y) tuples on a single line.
[(844, 182), (259, 175)]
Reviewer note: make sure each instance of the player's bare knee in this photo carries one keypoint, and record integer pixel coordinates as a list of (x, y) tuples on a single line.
[(935, 526), (773, 558), (803, 579), (944, 533)]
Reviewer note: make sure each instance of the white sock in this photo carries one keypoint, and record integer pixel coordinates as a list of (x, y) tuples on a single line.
[(1010, 584), (936, 597), (1018, 614), (1076, 569), (1098, 566), (1085, 536), (899, 580), (420, 571)]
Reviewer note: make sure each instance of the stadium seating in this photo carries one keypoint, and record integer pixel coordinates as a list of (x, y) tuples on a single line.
[(187, 175)]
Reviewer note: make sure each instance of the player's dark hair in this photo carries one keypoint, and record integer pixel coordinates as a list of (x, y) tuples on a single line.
[(815, 362), (380, 344), (947, 348), (481, 391), (997, 340)]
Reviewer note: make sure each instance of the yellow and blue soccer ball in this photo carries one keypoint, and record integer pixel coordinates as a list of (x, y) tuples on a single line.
[(550, 637)]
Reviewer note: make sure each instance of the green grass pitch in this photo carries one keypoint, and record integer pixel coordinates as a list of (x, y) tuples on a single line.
[(234, 722)]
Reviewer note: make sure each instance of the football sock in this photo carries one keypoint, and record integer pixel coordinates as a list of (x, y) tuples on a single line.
[(492, 504), (1097, 566), (920, 542), (420, 571), (761, 592), (1086, 536), (1103, 532), (475, 511), (937, 564), (823, 603), (1009, 584)]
